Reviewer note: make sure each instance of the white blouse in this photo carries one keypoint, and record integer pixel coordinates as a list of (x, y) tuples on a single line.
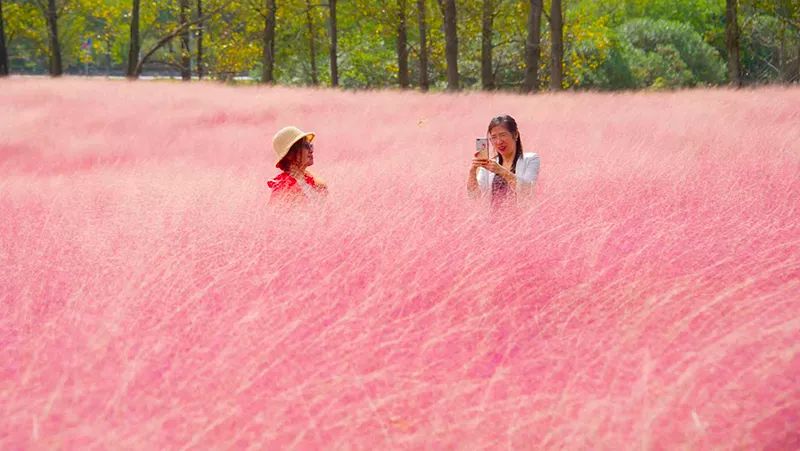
[(308, 190), (527, 172)]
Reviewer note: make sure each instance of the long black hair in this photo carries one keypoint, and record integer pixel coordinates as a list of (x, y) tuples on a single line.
[(511, 125)]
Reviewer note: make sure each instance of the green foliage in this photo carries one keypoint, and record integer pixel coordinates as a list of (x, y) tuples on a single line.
[(621, 44), (231, 39), (26, 36), (590, 43), (662, 53), (768, 45), (662, 67), (371, 62)]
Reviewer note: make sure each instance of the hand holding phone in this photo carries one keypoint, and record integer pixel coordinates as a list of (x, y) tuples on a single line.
[(481, 148)]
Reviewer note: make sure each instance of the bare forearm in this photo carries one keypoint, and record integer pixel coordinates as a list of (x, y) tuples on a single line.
[(472, 183)]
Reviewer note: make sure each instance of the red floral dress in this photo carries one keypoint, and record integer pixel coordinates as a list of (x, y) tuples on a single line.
[(285, 188)]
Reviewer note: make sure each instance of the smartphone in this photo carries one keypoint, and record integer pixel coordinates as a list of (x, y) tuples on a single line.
[(481, 148)]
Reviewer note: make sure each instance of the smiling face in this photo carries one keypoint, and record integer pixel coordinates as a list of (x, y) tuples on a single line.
[(503, 140)]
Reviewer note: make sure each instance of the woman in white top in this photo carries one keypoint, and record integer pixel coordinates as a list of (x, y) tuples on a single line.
[(511, 176)]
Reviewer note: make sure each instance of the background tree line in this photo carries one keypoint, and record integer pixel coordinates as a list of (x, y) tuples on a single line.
[(524, 45)]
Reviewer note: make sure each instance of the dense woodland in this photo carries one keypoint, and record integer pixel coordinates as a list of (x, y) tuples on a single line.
[(521, 45)]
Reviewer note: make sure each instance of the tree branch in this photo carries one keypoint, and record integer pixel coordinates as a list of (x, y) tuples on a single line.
[(778, 71), (506, 42), (170, 36), (787, 20), (63, 8), (256, 5), (165, 63)]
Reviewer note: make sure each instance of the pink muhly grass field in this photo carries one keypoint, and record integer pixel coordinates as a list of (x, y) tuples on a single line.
[(150, 297)]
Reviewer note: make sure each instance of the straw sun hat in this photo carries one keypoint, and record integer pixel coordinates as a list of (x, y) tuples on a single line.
[(285, 138)]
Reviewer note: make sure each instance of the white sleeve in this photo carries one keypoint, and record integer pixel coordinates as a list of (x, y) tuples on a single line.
[(530, 170), (484, 180)]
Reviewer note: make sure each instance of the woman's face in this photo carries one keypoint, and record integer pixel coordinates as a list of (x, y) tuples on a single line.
[(503, 140), (305, 156)]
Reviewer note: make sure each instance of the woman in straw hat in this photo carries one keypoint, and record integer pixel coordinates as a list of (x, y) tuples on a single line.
[(294, 153)]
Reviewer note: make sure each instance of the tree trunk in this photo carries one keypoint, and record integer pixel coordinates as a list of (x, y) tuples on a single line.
[(557, 45), (797, 63), (782, 52), (3, 51), (732, 42), (133, 52), (487, 74), (423, 46), (402, 45), (200, 41), (268, 55), (186, 56), (55, 46), (533, 47), (451, 42), (108, 57), (311, 43), (334, 44)]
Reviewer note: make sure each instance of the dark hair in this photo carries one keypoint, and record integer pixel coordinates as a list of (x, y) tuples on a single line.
[(511, 125), (291, 156)]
